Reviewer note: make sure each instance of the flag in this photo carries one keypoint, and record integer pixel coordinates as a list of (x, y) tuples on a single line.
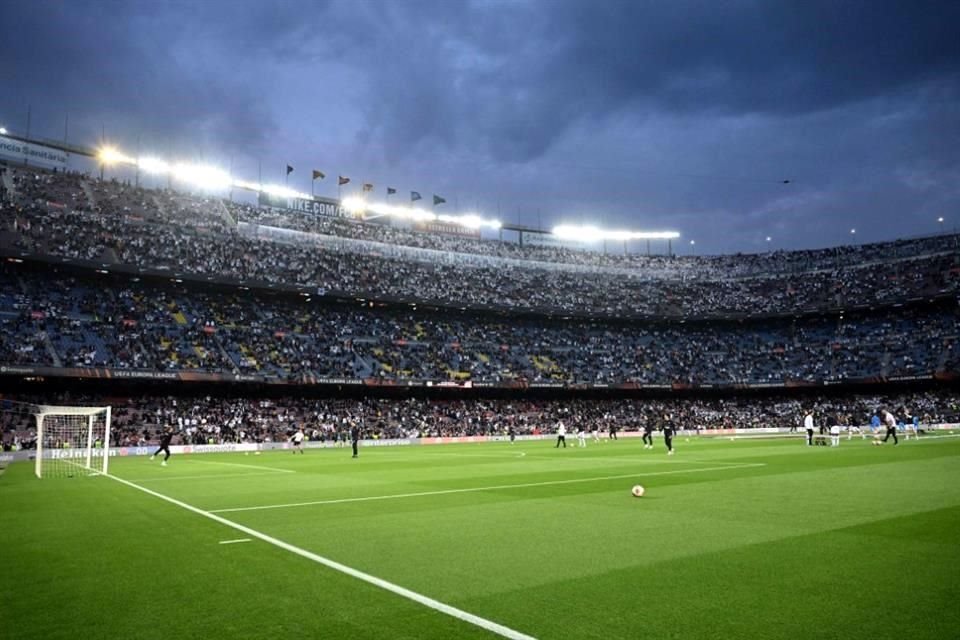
[(414, 196), (438, 200), (342, 180), (289, 169), (367, 186), (319, 174), (391, 191)]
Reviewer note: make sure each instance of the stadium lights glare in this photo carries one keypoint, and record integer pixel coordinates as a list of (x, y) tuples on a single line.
[(471, 221), (272, 189), (588, 233), (203, 176), (212, 178), (153, 165), (3, 131), (109, 155)]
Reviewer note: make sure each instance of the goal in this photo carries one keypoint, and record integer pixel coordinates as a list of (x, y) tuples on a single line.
[(72, 441)]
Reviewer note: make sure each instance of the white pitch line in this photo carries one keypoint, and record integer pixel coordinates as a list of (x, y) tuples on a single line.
[(491, 488), (436, 605), (247, 466), (237, 541)]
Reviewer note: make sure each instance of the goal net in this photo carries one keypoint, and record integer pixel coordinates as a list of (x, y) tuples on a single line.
[(72, 441)]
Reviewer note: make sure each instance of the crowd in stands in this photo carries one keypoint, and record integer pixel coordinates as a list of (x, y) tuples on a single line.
[(215, 420), (676, 267), (69, 215), (56, 318)]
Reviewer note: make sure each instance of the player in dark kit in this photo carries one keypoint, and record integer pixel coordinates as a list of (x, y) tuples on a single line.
[(668, 432), (165, 439), (355, 438), (647, 436)]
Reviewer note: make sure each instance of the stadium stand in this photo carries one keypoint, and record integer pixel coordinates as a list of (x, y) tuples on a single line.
[(68, 216), (109, 279), (54, 317)]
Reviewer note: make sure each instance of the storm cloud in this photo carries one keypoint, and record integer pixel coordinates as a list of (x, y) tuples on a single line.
[(681, 115)]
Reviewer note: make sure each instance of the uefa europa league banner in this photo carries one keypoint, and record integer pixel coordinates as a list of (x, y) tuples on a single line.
[(33, 153)]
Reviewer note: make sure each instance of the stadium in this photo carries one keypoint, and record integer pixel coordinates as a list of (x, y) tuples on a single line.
[(233, 408)]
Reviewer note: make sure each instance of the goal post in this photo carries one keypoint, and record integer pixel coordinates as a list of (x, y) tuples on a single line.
[(72, 441)]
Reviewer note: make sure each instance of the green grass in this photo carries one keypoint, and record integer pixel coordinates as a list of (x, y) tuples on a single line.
[(858, 541)]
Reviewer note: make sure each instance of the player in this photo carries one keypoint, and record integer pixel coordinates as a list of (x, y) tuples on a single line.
[(914, 425), (297, 440), (647, 436), (852, 428), (875, 424), (165, 439), (835, 431), (512, 433), (669, 430), (613, 430), (581, 436), (561, 435), (595, 432), (808, 426), (891, 422), (355, 433)]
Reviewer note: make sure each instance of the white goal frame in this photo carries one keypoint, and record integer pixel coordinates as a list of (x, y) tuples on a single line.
[(86, 458)]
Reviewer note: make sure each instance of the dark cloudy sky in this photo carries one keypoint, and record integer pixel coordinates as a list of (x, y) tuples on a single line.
[(645, 115)]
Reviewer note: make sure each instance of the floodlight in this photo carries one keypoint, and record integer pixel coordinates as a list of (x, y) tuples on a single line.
[(109, 155), (3, 131), (590, 233), (470, 221)]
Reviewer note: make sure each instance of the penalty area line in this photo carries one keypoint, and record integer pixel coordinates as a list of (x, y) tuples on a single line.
[(547, 483), (436, 605)]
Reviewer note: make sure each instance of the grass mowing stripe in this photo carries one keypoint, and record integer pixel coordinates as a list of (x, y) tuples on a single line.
[(436, 605), (726, 467), (212, 476), (248, 466)]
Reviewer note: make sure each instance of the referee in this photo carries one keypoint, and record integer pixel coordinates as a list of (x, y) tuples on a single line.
[(165, 439)]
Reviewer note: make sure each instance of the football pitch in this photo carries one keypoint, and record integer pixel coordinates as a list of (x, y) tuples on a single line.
[(734, 539)]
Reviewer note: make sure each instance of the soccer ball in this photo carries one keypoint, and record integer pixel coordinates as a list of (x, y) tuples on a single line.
[(637, 491)]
